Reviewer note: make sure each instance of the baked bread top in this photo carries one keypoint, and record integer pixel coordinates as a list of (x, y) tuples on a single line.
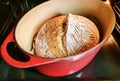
[(66, 35)]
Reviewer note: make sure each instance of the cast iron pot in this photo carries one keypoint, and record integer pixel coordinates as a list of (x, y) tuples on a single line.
[(31, 22)]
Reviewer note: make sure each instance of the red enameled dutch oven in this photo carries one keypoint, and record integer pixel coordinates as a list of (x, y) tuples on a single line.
[(31, 22)]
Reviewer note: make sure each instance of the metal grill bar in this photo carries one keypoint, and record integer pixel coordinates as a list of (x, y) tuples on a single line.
[(116, 8)]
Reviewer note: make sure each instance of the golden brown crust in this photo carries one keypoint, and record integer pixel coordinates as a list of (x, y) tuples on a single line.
[(65, 36), (49, 40), (54, 35)]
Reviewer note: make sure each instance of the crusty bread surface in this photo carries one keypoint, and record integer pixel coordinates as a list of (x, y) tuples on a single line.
[(66, 35)]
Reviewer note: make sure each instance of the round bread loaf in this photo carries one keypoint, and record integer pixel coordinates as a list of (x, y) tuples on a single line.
[(65, 35)]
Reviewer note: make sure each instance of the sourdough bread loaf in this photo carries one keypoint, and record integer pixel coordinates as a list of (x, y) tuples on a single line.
[(66, 35)]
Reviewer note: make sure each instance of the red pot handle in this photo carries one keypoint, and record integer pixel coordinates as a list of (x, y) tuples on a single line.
[(33, 61)]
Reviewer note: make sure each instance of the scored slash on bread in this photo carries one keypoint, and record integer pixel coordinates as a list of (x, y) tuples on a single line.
[(82, 34), (65, 35)]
